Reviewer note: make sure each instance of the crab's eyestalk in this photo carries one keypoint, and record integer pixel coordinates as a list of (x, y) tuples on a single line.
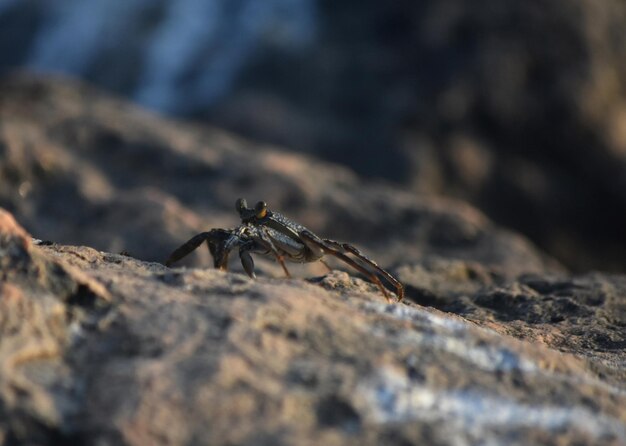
[(260, 209), (241, 205), (245, 213)]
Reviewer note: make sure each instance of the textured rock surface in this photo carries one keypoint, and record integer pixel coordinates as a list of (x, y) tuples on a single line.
[(78, 167), (131, 352), (494, 344), (517, 107)]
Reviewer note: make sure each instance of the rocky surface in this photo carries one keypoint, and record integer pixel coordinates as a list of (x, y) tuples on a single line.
[(495, 343), (517, 107), (80, 167), (100, 348)]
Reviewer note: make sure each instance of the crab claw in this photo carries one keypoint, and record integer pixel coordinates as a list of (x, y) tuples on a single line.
[(247, 263)]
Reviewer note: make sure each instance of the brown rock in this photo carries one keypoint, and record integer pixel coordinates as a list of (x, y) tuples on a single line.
[(105, 348), (40, 295), (570, 314), (518, 107), (179, 356), (82, 168), (11, 232)]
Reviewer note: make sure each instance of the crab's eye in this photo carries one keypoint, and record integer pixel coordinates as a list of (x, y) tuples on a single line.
[(260, 209)]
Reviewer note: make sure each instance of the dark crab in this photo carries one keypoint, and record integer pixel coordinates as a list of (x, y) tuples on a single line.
[(273, 235)]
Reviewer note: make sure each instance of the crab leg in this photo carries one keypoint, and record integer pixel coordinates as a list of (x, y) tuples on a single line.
[(270, 245), (392, 280), (219, 241), (246, 259), (338, 250), (326, 265), (187, 247)]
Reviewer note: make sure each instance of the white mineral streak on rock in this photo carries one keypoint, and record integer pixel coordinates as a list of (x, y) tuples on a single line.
[(488, 357), (452, 337), (391, 397)]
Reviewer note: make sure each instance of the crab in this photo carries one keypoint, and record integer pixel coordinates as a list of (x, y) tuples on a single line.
[(273, 235)]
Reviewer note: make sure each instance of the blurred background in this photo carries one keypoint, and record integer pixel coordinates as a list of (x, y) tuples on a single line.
[(518, 107)]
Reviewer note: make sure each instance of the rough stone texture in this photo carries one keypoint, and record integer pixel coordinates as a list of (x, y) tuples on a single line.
[(136, 353), (578, 314), (40, 297), (495, 343), (79, 167), (518, 107)]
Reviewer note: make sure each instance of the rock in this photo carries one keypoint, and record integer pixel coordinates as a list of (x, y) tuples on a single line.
[(41, 297), (80, 167), (102, 344), (179, 356), (569, 314), (515, 107)]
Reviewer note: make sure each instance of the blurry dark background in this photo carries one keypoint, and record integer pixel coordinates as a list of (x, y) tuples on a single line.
[(518, 107)]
